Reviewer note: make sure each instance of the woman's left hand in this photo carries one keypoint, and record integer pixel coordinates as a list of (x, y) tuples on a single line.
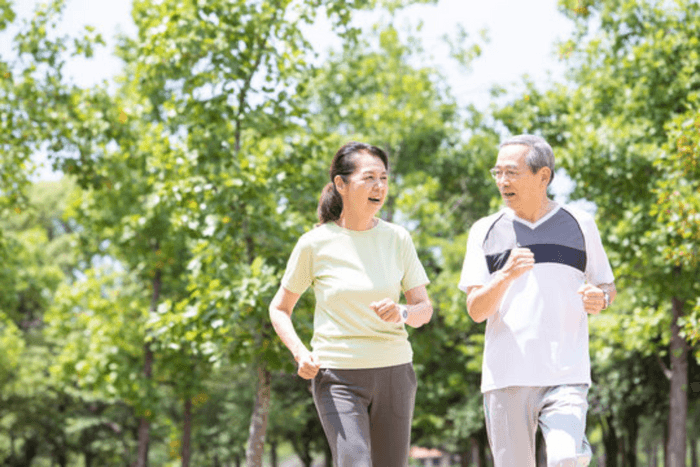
[(387, 310)]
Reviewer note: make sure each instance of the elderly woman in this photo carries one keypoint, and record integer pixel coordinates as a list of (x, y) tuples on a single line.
[(363, 383)]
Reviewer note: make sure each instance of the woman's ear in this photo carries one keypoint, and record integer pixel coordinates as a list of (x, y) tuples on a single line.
[(339, 183)]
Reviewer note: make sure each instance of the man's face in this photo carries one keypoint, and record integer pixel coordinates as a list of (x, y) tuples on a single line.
[(521, 190)]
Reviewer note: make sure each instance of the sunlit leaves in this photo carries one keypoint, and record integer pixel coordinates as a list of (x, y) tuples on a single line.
[(678, 204), (99, 322), (677, 208), (12, 344)]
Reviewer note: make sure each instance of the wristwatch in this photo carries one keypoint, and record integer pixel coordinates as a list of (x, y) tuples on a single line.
[(403, 313), (606, 295)]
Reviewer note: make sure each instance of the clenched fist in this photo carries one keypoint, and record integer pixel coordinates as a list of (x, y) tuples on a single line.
[(519, 262), (308, 365), (593, 298), (387, 310)]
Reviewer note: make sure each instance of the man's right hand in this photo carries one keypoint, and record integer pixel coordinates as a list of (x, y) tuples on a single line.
[(519, 262), (308, 365)]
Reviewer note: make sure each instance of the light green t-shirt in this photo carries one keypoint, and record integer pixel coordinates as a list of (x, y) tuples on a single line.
[(348, 270)]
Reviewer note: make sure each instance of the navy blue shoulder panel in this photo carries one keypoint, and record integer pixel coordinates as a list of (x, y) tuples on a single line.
[(557, 240)]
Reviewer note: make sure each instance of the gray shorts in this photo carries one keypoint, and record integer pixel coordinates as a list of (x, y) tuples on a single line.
[(366, 414), (512, 416)]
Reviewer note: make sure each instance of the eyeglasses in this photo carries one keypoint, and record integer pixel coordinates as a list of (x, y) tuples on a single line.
[(510, 174)]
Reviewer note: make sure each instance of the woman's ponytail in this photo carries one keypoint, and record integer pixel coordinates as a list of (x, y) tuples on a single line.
[(330, 205)]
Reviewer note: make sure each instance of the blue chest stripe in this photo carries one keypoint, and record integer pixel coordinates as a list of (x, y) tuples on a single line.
[(544, 253)]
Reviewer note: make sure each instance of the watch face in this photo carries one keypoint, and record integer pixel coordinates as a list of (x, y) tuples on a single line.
[(404, 313)]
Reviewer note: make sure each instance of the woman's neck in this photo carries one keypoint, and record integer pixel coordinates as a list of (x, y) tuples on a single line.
[(353, 221)]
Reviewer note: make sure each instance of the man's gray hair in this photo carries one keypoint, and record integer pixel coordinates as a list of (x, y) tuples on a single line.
[(540, 153)]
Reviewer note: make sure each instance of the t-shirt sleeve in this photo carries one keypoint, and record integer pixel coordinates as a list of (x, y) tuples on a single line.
[(414, 274), (598, 270), (298, 275), (475, 271)]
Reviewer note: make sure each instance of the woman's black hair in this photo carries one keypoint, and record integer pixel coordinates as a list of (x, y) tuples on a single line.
[(331, 204)]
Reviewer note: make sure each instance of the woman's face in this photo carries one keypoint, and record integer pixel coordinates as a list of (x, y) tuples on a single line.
[(367, 187)]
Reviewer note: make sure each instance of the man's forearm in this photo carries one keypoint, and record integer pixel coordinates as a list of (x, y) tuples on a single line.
[(483, 301)]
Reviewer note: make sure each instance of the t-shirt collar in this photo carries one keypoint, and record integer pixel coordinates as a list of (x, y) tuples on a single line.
[(511, 215)]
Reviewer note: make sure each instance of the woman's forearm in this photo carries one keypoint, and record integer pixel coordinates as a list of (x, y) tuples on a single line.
[(284, 328), (419, 313)]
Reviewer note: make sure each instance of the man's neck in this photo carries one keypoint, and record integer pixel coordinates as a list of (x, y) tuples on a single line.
[(538, 212)]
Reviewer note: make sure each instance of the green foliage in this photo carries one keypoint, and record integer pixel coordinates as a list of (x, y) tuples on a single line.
[(678, 205), (677, 208), (98, 321), (13, 346), (201, 167), (460, 52)]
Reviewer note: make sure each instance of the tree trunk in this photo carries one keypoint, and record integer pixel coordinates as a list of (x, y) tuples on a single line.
[(29, 451), (302, 448), (678, 411), (652, 455), (656, 454), (62, 458), (258, 422), (273, 453), (476, 454), (664, 452), (609, 440), (144, 424), (693, 452), (187, 432), (465, 458), (631, 434)]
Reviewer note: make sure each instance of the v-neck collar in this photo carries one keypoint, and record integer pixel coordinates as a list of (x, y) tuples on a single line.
[(533, 225)]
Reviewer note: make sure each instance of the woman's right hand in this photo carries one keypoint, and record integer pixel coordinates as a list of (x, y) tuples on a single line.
[(308, 365)]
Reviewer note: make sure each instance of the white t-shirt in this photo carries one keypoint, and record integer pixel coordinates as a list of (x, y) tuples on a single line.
[(539, 335), (348, 270)]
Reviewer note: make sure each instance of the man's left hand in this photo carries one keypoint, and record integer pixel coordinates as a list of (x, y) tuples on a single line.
[(593, 298)]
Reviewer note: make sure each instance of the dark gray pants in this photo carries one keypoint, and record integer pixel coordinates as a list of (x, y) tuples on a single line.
[(366, 414)]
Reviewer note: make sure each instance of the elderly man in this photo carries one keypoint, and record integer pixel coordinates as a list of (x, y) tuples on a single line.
[(534, 271)]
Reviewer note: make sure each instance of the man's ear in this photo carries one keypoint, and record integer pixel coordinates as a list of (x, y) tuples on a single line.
[(546, 174)]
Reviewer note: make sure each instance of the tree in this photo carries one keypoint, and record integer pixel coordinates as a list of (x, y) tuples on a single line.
[(236, 113), (35, 411)]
